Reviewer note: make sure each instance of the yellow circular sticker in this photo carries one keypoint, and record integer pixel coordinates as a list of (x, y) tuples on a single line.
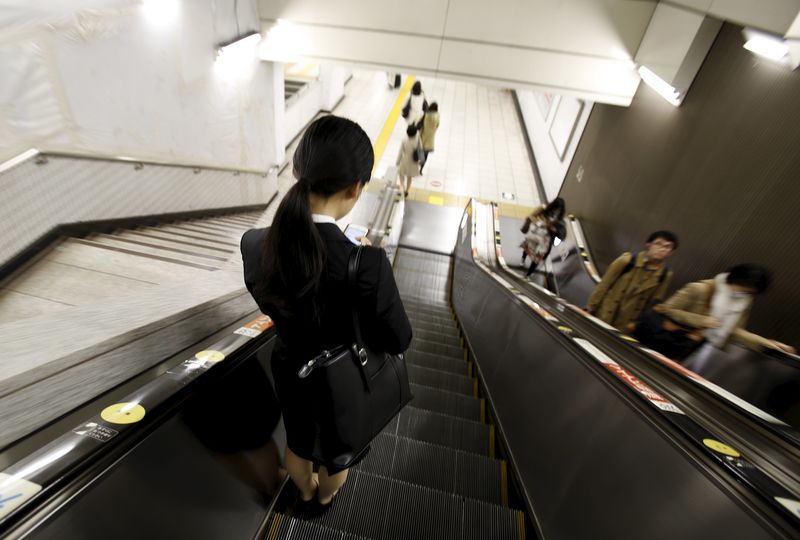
[(123, 413), (722, 448), (210, 356), (629, 338), (565, 329)]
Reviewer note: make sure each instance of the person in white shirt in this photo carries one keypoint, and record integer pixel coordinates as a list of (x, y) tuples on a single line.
[(408, 159), (416, 105)]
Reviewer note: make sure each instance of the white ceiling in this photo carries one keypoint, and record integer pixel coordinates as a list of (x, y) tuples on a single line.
[(577, 47), (582, 48)]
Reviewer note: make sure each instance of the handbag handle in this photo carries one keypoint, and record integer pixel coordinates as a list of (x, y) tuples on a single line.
[(352, 273)]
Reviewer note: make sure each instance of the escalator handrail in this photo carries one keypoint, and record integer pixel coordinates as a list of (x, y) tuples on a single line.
[(71, 461)]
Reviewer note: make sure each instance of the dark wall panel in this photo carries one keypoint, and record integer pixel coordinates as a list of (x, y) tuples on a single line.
[(722, 170)]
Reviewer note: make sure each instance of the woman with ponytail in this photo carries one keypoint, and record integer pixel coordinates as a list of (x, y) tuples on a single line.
[(296, 271)]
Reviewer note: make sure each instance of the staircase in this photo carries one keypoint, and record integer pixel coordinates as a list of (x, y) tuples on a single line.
[(432, 473), (127, 261)]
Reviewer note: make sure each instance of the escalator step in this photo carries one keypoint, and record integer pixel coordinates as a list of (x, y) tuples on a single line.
[(480, 518), (427, 305), (285, 527), (437, 329), (433, 347), (415, 316), (374, 507), (423, 513), (444, 402), (437, 428), (438, 337), (436, 293), (431, 309), (456, 366), (436, 467), (440, 380)]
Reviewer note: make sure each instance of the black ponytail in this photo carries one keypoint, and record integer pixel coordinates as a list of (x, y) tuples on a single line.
[(333, 154)]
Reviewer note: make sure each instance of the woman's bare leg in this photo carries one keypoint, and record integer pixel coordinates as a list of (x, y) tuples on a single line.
[(301, 471), (329, 485)]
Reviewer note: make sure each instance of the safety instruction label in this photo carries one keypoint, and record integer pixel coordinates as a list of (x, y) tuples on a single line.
[(14, 492), (259, 324), (96, 431), (249, 332)]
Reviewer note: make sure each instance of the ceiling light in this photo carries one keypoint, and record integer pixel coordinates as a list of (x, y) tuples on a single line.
[(766, 45), (161, 12), (282, 43), (661, 86), (507, 196), (241, 45)]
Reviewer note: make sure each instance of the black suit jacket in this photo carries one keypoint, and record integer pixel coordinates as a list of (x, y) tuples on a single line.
[(383, 319)]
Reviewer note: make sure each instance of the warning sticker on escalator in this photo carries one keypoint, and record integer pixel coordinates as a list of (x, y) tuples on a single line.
[(96, 431), (628, 378), (651, 395)]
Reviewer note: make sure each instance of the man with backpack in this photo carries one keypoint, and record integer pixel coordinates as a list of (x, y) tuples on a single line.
[(634, 281)]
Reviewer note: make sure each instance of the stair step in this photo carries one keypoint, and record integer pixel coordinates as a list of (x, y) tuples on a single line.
[(160, 256), (441, 429), (441, 380), (193, 247), (169, 230), (372, 506), (216, 226), (456, 366), (434, 347), (199, 234)]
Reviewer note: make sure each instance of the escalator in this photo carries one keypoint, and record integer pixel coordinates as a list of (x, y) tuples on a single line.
[(660, 436), (758, 381), (433, 472), (523, 425)]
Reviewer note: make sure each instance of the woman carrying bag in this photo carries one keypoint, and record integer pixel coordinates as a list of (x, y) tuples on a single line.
[(336, 309)]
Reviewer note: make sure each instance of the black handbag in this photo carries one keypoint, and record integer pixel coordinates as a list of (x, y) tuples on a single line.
[(356, 392), (660, 333)]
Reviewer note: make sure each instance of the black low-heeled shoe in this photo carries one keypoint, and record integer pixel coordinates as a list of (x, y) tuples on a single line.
[(327, 506), (308, 507)]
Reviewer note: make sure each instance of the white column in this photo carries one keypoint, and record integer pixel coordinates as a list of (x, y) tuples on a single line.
[(332, 78)]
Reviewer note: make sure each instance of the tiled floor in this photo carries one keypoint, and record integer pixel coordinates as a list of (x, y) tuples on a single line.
[(480, 149)]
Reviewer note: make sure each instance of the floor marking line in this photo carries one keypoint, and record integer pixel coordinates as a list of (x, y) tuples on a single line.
[(386, 132)]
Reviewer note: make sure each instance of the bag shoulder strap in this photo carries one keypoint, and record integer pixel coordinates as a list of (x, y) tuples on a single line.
[(353, 262), (628, 267)]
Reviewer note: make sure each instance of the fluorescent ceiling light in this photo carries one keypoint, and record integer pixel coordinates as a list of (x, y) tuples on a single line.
[(240, 45), (661, 86), (161, 12), (766, 45)]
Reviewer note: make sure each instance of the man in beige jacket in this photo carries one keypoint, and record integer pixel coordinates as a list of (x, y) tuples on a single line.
[(717, 309), (633, 281)]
